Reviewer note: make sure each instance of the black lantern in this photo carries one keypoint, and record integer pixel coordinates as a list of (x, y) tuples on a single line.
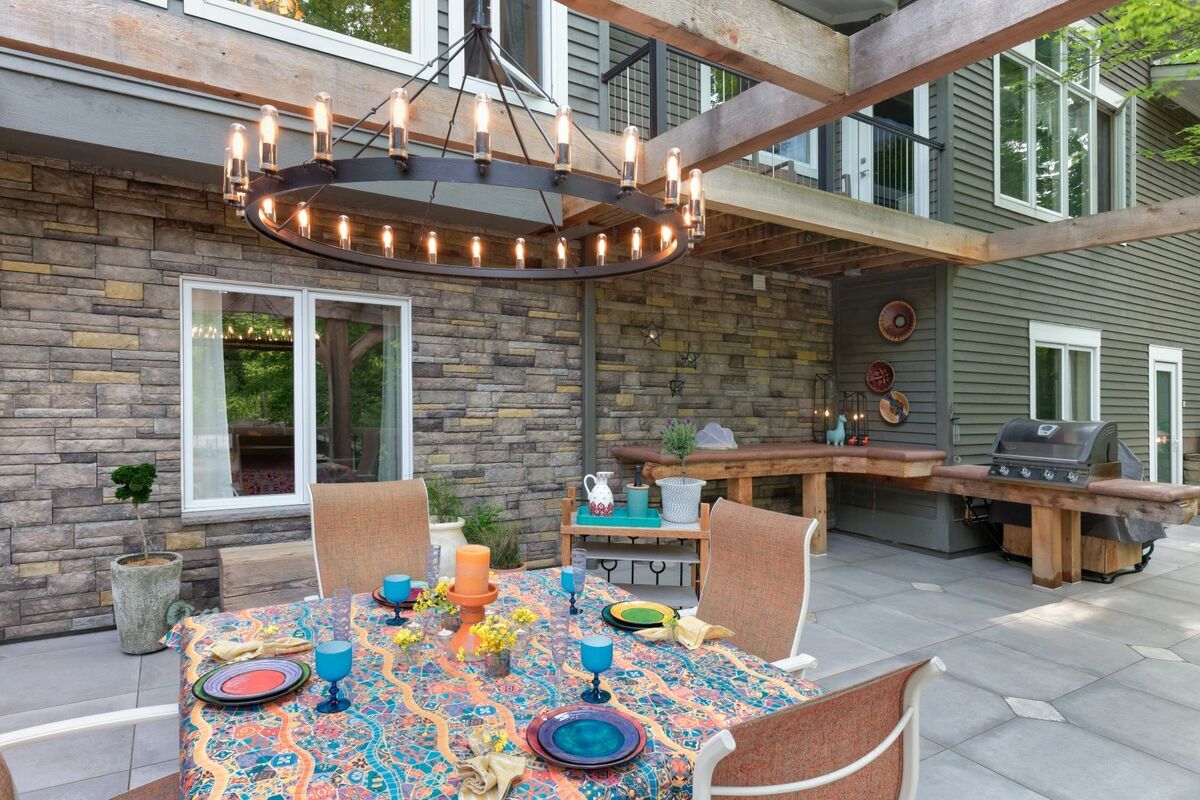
[(854, 407), (822, 406)]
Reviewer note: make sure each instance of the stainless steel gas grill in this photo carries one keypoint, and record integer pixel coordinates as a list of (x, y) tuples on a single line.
[(1060, 453)]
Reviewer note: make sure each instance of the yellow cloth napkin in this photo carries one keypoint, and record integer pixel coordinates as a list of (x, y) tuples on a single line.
[(690, 632), (489, 774), (230, 651)]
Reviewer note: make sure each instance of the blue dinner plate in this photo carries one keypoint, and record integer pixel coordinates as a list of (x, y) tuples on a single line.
[(589, 736)]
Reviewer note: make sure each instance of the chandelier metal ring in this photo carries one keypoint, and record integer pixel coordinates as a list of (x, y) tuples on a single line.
[(506, 174)]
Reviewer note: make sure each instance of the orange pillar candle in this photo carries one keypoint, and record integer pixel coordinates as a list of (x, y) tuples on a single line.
[(471, 563)]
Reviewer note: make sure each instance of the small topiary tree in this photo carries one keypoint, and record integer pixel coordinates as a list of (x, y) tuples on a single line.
[(679, 440), (134, 483)]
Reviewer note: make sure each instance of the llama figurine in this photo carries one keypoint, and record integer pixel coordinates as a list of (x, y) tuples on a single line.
[(837, 436)]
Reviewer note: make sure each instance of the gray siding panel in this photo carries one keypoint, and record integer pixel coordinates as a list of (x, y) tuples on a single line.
[(584, 68)]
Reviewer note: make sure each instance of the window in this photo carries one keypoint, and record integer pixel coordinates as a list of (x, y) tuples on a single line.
[(533, 36), (1064, 372), (399, 35), (283, 387), (1055, 135)]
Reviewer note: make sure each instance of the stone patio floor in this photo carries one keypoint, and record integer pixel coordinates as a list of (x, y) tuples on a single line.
[(1090, 691)]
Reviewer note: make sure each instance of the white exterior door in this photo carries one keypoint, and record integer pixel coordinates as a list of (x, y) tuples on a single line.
[(1166, 414), (882, 167)]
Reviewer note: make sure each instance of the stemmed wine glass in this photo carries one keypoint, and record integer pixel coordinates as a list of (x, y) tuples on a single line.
[(579, 559), (396, 589), (560, 648), (596, 654), (567, 578), (433, 565), (341, 602), (333, 664)]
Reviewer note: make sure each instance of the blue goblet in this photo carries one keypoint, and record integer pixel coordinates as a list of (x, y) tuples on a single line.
[(333, 663), (596, 653), (567, 578), (396, 589)]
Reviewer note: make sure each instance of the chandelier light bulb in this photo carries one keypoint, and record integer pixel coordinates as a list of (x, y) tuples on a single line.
[(601, 249), (483, 136), (389, 250), (562, 138), (665, 235), (239, 177), (520, 253), (476, 251), (303, 222), (671, 189), (268, 139), (343, 232), (696, 203), (561, 253), (268, 210), (398, 124), (635, 244), (323, 127), (431, 245), (629, 158)]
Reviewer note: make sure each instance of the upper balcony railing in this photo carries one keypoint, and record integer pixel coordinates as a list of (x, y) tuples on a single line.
[(876, 159)]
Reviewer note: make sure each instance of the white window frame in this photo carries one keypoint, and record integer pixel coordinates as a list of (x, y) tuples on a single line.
[(275, 26), (304, 389), (854, 128), (1157, 354), (1067, 339), (1096, 93), (553, 43)]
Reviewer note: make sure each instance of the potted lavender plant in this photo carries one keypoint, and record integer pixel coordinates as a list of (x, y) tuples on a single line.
[(680, 494)]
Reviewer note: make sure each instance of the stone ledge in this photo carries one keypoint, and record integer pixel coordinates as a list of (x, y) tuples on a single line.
[(243, 514)]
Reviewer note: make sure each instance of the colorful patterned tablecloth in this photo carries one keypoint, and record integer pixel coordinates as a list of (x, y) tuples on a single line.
[(409, 724)]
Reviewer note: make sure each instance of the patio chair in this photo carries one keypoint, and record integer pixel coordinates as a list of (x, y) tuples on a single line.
[(165, 788), (758, 580), (860, 742), (363, 531)]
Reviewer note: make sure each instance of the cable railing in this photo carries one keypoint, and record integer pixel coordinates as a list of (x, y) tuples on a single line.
[(876, 160)]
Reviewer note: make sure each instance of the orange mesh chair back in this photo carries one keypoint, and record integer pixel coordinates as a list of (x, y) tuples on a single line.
[(7, 790), (363, 531), (757, 581), (858, 743)]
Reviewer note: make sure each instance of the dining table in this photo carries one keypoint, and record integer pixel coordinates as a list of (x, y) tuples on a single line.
[(408, 725)]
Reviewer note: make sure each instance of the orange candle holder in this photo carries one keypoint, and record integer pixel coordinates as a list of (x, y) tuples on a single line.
[(470, 609)]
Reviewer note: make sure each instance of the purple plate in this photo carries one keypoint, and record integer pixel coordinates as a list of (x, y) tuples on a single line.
[(249, 680), (587, 737)]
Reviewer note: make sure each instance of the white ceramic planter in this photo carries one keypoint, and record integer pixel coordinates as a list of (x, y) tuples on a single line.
[(680, 499), (141, 595), (450, 536)]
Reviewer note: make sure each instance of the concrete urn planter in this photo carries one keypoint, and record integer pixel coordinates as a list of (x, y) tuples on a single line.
[(680, 498), (141, 595), (450, 536)]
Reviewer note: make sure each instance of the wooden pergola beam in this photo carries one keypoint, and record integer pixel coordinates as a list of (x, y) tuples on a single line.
[(917, 44), (1168, 218), (141, 41), (759, 38)]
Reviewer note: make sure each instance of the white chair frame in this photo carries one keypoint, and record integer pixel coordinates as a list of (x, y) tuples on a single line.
[(797, 663), (722, 744)]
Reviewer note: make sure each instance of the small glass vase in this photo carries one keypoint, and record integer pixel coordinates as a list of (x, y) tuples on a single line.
[(498, 665), (524, 637), (451, 622)]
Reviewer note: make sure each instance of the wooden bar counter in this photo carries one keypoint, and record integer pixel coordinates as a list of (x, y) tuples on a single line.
[(810, 460)]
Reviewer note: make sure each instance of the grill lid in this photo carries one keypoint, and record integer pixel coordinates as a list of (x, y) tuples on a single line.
[(1078, 443)]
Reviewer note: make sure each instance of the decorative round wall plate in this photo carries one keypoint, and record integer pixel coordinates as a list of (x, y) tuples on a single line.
[(880, 376), (897, 321), (893, 407)]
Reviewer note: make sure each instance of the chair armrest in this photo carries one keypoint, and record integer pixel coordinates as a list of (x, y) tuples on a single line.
[(798, 663), (95, 722), (312, 598)]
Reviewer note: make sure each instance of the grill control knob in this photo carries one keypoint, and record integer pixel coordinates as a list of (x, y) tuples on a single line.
[(1073, 477), (1048, 474), (1025, 472), (1003, 470)]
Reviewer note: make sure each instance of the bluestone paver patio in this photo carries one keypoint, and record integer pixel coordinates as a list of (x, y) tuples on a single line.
[(1106, 678)]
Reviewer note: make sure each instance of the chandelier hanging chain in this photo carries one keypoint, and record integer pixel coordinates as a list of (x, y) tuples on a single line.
[(449, 132)]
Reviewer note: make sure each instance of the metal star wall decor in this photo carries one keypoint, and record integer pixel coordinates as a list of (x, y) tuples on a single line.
[(688, 357), (653, 334), (676, 385)]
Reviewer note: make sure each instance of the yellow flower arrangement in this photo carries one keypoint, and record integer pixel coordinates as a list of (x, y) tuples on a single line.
[(495, 635), (495, 738), (436, 600), (269, 631), (524, 616), (461, 655), (406, 638)]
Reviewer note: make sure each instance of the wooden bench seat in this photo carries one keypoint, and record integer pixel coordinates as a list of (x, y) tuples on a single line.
[(266, 574)]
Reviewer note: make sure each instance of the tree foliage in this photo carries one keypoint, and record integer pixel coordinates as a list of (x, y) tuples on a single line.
[(383, 22), (134, 483)]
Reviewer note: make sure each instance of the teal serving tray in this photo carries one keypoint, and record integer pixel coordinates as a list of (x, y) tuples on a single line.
[(620, 519)]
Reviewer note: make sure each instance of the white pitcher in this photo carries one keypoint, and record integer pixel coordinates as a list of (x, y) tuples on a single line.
[(600, 496)]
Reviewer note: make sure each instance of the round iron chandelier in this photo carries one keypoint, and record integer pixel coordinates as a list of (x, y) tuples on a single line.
[(671, 224)]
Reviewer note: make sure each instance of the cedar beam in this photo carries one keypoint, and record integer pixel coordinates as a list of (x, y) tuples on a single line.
[(1169, 218), (759, 38)]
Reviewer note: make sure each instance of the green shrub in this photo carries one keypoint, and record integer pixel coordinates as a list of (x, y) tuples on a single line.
[(485, 526), (444, 503), (679, 440)]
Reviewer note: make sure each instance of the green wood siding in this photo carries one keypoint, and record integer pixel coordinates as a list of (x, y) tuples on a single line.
[(1136, 295), (584, 68)]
